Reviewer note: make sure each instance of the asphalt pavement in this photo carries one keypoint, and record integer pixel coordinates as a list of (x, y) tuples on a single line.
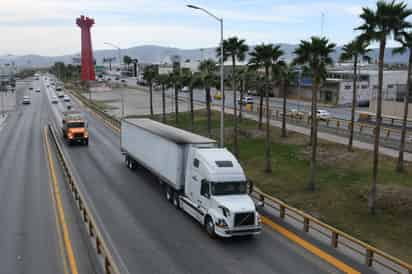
[(30, 239)]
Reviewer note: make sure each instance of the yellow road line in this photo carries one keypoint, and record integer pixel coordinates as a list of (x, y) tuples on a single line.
[(59, 204), (310, 247), (59, 233)]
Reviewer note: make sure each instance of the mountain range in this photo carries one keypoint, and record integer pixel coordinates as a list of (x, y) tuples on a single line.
[(158, 54)]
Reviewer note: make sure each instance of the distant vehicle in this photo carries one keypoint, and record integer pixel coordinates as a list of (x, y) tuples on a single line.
[(252, 92), (246, 100), (117, 78), (295, 113), (322, 115), (218, 95), (38, 90), (26, 100), (48, 86), (109, 79), (60, 94), (123, 81), (54, 99), (30, 88), (185, 89), (74, 128), (205, 181), (66, 98), (59, 89)]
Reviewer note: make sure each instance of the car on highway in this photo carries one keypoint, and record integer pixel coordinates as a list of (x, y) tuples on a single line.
[(30, 88), (295, 113), (66, 98), (322, 115), (245, 100), (60, 94), (54, 99), (38, 90), (117, 78), (26, 100), (185, 89)]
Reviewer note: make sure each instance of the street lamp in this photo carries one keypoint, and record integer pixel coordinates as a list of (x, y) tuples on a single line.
[(120, 64), (222, 113)]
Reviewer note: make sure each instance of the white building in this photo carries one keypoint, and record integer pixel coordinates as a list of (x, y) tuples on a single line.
[(338, 88)]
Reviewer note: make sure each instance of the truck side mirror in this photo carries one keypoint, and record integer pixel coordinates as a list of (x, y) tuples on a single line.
[(249, 186)]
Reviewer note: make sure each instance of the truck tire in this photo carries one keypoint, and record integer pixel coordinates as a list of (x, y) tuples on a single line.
[(176, 199), (210, 227), (168, 193)]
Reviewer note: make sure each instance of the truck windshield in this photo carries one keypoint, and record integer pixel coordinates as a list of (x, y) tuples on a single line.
[(75, 125), (228, 188)]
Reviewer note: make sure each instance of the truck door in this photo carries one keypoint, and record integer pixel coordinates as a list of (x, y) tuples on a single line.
[(203, 199)]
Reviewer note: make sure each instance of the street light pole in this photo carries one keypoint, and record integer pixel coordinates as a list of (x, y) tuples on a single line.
[(222, 88), (120, 64)]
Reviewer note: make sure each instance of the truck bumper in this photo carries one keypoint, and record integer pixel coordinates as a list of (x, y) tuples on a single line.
[(241, 231)]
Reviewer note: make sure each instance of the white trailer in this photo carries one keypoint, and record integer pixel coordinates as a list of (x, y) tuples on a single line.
[(205, 181)]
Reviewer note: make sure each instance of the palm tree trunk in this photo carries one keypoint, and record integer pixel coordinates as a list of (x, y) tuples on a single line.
[(268, 166), (352, 120), (235, 137), (209, 112), (163, 104), (372, 193), (192, 113), (242, 90), (314, 135), (399, 166), (151, 98), (260, 109), (176, 105), (282, 84)]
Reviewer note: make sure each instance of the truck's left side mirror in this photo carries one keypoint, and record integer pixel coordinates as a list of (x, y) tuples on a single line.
[(249, 186)]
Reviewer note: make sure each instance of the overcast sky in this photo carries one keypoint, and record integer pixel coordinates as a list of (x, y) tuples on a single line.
[(47, 27)]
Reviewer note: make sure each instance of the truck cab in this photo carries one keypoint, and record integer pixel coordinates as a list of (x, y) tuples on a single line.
[(217, 194)]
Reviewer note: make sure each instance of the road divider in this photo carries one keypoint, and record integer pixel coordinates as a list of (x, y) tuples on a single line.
[(101, 248), (373, 257)]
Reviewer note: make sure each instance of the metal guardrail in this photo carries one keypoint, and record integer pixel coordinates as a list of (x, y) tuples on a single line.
[(336, 237), (95, 234)]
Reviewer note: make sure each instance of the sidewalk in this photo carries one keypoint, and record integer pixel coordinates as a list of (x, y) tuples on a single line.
[(326, 136)]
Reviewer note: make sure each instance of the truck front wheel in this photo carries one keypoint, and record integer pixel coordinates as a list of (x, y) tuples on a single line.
[(176, 201), (168, 193), (210, 227)]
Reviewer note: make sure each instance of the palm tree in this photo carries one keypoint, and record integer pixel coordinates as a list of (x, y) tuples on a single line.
[(149, 75), (353, 51), (267, 57), (388, 20), (127, 60), (315, 56), (288, 76), (207, 70), (406, 45), (235, 49), (176, 78), (164, 81)]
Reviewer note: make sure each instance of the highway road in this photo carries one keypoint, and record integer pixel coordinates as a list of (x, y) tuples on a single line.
[(148, 235), (30, 239)]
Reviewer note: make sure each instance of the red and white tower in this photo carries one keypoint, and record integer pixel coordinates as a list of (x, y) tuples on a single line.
[(85, 23)]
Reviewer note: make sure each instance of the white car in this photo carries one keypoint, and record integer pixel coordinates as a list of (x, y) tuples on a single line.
[(60, 94), (66, 98), (54, 100), (322, 114), (246, 100), (26, 100)]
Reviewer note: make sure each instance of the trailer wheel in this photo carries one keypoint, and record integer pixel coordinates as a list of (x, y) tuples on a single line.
[(210, 227), (176, 201), (168, 193)]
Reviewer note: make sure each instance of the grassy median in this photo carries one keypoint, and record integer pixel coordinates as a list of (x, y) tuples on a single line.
[(343, 181)]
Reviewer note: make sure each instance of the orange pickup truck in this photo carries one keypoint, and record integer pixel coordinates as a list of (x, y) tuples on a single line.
[(74, 128)]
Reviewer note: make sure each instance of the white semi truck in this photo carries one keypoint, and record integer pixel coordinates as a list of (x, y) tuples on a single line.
[(205, 181)]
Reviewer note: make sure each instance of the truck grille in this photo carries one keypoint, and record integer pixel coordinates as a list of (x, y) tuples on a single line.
[(78, 135), (245, 218)]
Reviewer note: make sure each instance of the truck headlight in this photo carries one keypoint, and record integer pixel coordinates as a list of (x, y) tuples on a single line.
[(225, 210), (70, 135), (258, 219), (221, 223)]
